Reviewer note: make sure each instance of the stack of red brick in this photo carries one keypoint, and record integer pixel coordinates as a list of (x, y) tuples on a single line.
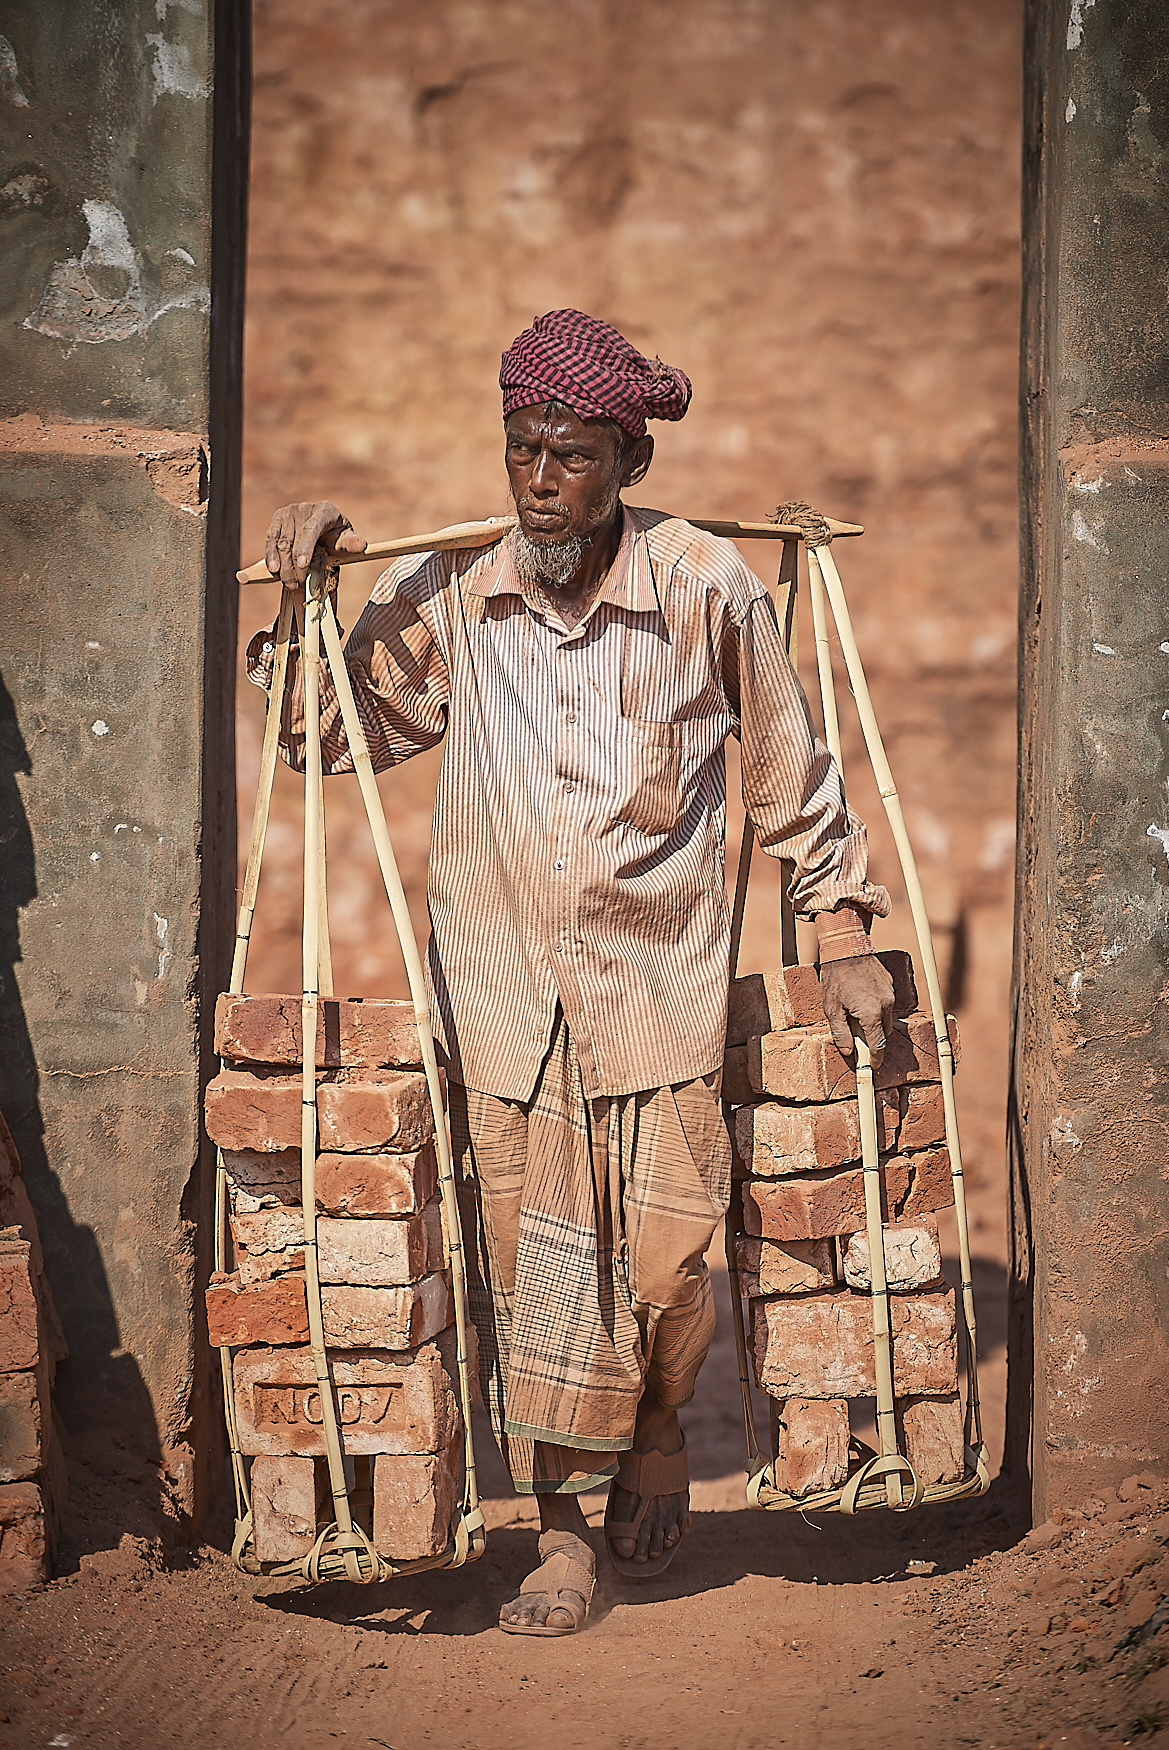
[(799, 1220), (32, 1464), (385, 1288)]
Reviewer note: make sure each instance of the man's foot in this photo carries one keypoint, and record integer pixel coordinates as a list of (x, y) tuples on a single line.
[(554, 1600), (666, 1519)]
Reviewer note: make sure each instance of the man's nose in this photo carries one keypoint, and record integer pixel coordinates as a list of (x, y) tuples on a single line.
[(544, 481)]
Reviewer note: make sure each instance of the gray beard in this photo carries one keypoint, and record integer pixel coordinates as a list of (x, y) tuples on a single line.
[(546, 563), (553, 564)]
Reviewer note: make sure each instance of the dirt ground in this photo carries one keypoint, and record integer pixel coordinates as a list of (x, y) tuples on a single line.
[(944, 1627), (813, 208)]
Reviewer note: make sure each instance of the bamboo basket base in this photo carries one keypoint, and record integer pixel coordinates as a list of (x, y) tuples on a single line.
[(363, 1565), (763, 1493)]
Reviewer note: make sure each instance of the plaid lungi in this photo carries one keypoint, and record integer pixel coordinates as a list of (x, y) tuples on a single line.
[(585, 1223)]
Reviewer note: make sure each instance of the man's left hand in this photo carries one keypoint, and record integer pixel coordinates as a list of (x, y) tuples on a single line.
[(858, 990)]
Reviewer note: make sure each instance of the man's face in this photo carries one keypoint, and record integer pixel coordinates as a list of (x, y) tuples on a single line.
[(564, 474)]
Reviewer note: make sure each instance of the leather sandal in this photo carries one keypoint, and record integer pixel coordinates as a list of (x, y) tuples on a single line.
[(646, 1475), (558, 1573)]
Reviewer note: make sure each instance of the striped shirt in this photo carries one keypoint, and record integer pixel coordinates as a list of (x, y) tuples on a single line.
[(577, 854)]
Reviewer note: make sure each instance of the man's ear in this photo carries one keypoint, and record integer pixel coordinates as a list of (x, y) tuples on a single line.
[(637, 461)]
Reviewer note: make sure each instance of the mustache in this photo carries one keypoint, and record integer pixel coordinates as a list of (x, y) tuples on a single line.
[(556, 508)]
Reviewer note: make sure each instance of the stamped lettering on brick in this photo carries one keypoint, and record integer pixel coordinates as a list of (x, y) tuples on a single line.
[(288, 1405), (401, 1403)]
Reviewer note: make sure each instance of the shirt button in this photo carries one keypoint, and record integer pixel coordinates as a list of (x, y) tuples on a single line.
[(559, 863), (569, 788), (560, 947), (570, 717)]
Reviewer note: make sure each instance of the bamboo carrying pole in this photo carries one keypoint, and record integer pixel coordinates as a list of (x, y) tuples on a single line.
[(459, 536)]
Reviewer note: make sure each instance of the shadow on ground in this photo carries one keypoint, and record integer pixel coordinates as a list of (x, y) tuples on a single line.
[(721, 1549)]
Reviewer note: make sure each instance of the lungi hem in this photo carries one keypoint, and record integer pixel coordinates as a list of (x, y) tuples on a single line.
[(521, 1431), (575, 1486)]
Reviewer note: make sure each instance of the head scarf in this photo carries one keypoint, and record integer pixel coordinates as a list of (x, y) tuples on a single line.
[(570, 357)]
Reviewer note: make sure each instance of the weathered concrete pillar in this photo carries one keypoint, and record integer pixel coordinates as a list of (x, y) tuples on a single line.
[(122, 201), (1089, 1392)]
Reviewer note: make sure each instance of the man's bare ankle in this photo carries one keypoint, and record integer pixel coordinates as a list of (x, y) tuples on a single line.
[(563, 1513), (657, 1426)]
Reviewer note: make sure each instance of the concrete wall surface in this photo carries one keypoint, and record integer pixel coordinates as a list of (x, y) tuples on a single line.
[(1089, 1111), (122, 207)]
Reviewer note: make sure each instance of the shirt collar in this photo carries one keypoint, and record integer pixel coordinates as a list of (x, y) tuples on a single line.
[(629, 583)]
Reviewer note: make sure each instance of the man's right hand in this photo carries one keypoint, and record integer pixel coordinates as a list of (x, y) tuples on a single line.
[(294, 534)]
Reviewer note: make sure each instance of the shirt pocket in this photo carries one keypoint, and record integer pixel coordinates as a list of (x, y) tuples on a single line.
[(647, 773)]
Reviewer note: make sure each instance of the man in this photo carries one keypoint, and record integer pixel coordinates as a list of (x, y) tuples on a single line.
[(586, 671)]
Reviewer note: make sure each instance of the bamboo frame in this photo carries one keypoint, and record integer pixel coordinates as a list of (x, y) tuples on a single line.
[(343, 1550), (866, 1100), (879, 1480), (976, 1447)]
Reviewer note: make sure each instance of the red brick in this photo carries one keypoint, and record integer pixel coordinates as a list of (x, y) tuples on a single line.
[(21, 1426), (810, 1443), (268, 1243), (245, 1110), (923, 1116), (377, 1184), (821, 1346), (272, 1312), (271, 1241), (256, 1180), (816, 1205), (784, 1266), (931, 1185), (347, 1184), (773, 1140), (380, 1253), (803, 1064), (930, 1434), (19, 1325), (372, 1032), (23, 1561), (414, 1498), (736, 1082), (363, 1116), (398, 1403), (285, 1494), (275, 1313), (386, 1318), (913, 1257), (769, 1002)]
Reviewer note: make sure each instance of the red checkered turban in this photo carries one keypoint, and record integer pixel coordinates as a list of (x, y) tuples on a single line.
[(570, 357)]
